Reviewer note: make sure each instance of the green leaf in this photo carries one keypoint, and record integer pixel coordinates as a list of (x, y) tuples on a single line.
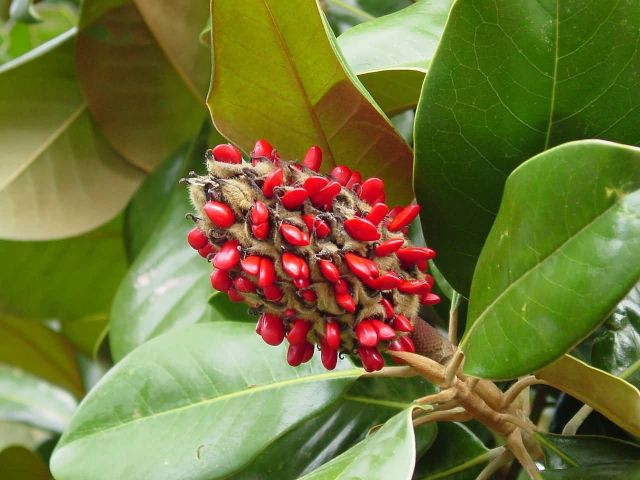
[(18, 463), (615, 398), (457, 454), (562, 451), (28, 345), (368, 403), (565, 248), (344, 14), (23, 11), (391, 54), (197, 403), (502, 89), (81, 182), (619, 471), (122, 51), (222, 308), (27, 398), (301, 96), (167, 285), (77, 279), (387, 453)]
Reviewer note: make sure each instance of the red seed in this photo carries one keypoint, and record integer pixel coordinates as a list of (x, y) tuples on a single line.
[(220, 280), (259, 213), (294, 198), (403, 218), (301, 283), (341, 174), (273, 180), (260, 231), (234, 296), (308, 296), (273, 293), (371, 359), (228, 256), (366, 334), (422, 265), (272, 330), (413, 287), (329, 271), (227, 153), (294, 236), (299, 331), (377, 213), (314, 184), (197, 239), (220, 214), (260, 324), (313, 158), (361, 229), (332, 334), (411, 255), (355, 179), (308, 352), (429, 299), (402, 323), (267, 273), (388, 247), (251, 264), (324, 198), (292, 265), (361, 267), (261, 151), (402, 344), (207, 250), (384, 331), (430, 280), (371, 190), (295, 354), (244, 285), (388, 308), (407, 344), (386, 281), (345, 301), (317, 225), (341, 287), (328, 356)]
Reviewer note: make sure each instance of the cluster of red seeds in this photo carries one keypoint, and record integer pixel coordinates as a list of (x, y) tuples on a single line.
[(322, 258)]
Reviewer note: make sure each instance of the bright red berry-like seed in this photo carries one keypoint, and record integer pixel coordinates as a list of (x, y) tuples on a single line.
[(228, 256), (272, 330), (332, 334), (244, 285), (324, 198), (403, 218), (260, 231), (371, 359), (329, 270), (299, 331), (402, 323), (313, 158), (377, 213), (314, 184), (386, 281), (309, 296), (407, 344), (429, 299), (294, 198), (413, 287), (273, 180), (267, 273), (388, 308), (345, 300), (197, 239), (251, 264), (259, 213), (341, 174), (227, 153), (388, 247), (308, 352), (361, 229), (371, 191), (317, 225), (411, 255), (422, 265), (273, 293), (299, 353), (294, 236), (207, 250), (328, 356), (220, 280), (366, 334), (384, 331), (354, 180), (361, 267), (261, 151), (234, 296), (220, 214)]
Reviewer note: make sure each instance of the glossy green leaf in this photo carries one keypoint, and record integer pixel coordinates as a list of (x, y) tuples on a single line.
[(344, 14), (457, 454), (565, 248), (301, 96), (18, 463), (563, 451), (160, 41), (58, 176), (391, 54), (27, 398), (32, 347), (511, 79), (76, 280), (222, 308), (615, 398), (618, 471), (167, 285), (386, 453), (370, 402), (196, 403)]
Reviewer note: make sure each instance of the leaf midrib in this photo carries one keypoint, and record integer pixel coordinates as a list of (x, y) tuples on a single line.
[(352, 372)]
